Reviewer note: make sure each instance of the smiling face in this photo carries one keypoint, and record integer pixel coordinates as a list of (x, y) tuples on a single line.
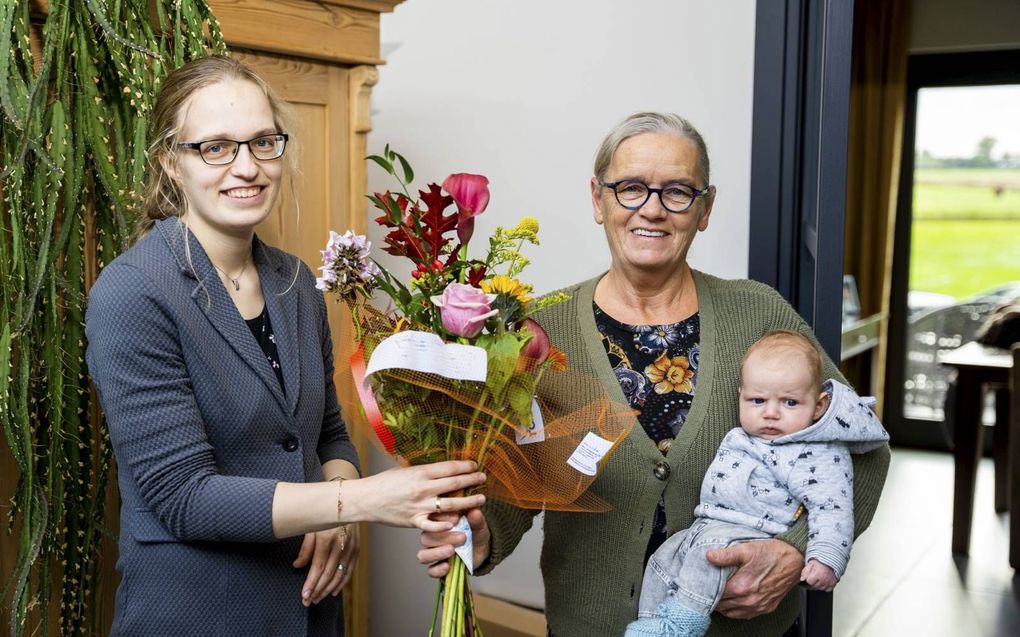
[(230, 199), (651, 238), (778, 393)]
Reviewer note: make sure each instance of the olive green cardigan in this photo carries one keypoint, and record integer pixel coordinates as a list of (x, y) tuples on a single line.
[(592, 563)]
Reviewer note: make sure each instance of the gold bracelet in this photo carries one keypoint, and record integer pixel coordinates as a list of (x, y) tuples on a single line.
[(339, 496)]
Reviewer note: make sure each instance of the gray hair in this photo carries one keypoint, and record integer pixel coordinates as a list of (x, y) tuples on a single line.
[(649, 122)]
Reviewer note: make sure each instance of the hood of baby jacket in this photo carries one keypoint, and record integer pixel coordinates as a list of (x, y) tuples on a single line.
[(849, 418)]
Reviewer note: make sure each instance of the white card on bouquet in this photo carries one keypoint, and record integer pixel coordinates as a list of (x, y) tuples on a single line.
[(426, 352), (465, 550), (535, 433), (587, 455)]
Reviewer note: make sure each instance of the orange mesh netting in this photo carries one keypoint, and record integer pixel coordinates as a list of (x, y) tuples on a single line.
[(419, 418)]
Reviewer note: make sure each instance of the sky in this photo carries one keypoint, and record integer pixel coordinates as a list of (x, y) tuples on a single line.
[(951, 120)]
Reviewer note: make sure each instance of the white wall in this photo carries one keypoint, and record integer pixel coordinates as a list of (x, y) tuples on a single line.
[(523, 91), (942, 26)]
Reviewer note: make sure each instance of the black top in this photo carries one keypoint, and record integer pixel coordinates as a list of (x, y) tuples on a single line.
[(262, 330), (657, 366)]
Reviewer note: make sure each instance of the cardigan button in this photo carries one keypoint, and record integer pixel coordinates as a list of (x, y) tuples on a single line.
[(661, 470), (290, 444)]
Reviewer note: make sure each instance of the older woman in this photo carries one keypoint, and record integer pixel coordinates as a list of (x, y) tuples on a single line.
[(666, 339)]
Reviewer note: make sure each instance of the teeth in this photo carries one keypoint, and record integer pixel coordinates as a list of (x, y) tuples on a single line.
[(648, 233), (243, 193)]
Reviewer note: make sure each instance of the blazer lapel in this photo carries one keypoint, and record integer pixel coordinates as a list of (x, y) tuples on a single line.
[(283, 304), (212, 299)]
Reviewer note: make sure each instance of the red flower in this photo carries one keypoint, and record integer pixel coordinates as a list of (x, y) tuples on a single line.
[(536, 350), (471, 194)]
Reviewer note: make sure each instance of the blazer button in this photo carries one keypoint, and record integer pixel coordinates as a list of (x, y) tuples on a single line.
[(661, 470), (291, 444)]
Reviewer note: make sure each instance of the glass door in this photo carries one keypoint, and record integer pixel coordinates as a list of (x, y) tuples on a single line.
[(957, 247)]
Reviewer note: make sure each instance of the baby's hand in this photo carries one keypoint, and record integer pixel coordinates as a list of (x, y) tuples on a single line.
[(819, 576)]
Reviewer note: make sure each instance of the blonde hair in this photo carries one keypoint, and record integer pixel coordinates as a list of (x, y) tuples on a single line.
[(163, 197), (787, 341)]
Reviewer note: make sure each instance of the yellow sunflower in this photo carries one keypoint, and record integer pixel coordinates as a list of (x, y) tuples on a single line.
[(502, 284), (670, 374)]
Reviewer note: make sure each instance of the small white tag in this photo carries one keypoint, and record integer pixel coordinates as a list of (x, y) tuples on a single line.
[(587, 455), (535, 433), (465, 550), (426, 352)]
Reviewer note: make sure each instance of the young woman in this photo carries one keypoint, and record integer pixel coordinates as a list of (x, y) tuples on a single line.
[(212, 357)]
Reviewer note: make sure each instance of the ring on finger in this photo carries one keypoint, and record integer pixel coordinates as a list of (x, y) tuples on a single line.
[(439, 503), (340, 568)]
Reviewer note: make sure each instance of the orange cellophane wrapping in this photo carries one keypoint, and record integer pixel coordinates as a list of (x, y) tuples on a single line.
[(422, 418)]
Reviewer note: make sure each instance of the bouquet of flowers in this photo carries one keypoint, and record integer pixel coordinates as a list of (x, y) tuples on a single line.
[(452, 364)]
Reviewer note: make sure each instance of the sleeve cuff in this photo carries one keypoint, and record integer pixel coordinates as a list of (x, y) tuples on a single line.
[(835, 557)]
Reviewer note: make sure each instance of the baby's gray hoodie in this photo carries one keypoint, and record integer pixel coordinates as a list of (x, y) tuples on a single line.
[(762, 483)]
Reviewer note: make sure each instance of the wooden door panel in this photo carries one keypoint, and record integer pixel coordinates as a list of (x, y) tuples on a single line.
[(322, 195)]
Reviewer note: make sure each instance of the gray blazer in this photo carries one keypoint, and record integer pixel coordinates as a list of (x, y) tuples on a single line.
[(202, 432)]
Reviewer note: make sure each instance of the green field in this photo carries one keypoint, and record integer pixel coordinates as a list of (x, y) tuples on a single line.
[(965, 237)]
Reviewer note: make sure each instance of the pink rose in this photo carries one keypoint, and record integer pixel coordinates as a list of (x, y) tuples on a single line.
[(464, 309), (471, 194)]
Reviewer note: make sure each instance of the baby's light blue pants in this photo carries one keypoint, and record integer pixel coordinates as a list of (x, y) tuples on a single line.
[(680, 567)]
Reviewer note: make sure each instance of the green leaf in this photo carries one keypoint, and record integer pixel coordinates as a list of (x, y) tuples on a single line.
[(386, 165), (503, 354), (519, 396), (406, 167)]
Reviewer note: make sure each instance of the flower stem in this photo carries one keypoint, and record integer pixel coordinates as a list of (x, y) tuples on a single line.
[(435, 607), (450, 594)]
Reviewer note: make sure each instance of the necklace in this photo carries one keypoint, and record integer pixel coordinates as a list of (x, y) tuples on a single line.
[(234, 280)]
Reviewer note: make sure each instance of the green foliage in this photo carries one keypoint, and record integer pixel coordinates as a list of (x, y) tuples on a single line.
[(966, 230), (503, 350), (962, 258), (73, 135), (967, 194)]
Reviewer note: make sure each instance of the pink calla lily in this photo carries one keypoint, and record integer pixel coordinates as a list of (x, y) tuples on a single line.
[(471, 194), (536, 350)]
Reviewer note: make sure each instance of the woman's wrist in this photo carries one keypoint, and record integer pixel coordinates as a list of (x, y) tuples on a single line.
[(350, 505)]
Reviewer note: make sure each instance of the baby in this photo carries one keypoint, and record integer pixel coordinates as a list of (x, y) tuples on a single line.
[(791, 453)]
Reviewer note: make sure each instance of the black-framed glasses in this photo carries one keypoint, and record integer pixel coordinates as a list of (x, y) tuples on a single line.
[(217, 152), (675, 197)]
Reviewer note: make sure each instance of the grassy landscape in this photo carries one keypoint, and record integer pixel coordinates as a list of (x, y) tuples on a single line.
[(966, 230)]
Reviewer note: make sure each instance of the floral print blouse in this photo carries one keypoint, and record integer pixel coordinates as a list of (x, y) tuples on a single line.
[(657, 366)]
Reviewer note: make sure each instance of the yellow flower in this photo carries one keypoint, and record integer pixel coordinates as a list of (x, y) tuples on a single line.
[(528, 224), (670, 374), (502, 284)]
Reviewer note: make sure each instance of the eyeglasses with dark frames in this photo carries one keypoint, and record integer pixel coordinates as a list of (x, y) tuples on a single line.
[(217, 152), (675, 197)]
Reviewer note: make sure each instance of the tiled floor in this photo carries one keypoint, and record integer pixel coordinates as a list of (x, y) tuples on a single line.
[(903, 580)]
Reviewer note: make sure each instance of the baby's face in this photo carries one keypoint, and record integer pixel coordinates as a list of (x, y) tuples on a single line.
[(778, 395)]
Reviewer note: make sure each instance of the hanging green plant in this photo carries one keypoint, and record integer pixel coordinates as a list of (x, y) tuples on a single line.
[(73, 135)]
